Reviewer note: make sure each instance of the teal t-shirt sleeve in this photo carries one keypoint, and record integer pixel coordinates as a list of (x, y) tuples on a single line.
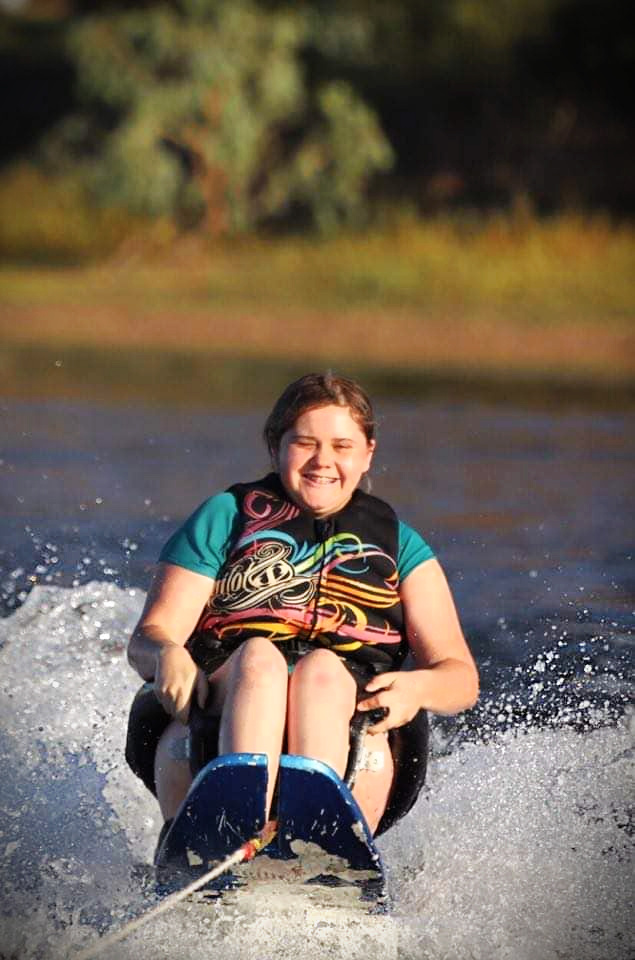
[(413, 550), (201, 543)]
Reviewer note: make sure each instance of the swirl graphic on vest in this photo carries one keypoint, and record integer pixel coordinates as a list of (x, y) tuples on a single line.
[(264, 576), (264, 509)]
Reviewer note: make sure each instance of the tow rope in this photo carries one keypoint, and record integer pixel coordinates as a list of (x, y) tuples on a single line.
[(244, 853)]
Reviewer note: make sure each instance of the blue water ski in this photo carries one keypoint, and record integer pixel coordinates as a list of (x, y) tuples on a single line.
[(320, 826), (225, 806), (316, 807)]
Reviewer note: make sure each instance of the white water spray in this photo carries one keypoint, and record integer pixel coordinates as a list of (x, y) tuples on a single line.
[(518, 848)]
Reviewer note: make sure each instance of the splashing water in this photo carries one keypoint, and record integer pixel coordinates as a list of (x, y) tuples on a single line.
[(518, 848)]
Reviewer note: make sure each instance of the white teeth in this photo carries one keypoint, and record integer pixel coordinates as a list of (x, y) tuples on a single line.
[(322, 480)]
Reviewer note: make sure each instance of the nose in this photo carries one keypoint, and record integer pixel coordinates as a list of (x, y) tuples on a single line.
[(320, 456)]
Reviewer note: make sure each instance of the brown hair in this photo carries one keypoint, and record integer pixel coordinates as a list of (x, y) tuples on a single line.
[(317, 390)]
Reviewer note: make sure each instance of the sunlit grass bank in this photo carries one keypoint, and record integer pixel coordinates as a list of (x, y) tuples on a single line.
[(509, 301), (541, 271)]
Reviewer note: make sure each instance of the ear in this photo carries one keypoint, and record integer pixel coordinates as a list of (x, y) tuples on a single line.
[(371, 449)]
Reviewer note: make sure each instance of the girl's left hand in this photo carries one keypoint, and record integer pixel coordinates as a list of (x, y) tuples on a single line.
[(400, 693)]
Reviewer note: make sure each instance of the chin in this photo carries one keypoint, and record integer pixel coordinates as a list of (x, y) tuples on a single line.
[(313, 505), (319, 508)]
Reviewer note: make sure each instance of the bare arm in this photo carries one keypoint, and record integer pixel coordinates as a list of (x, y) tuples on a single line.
[(445, 679), (157, 645)]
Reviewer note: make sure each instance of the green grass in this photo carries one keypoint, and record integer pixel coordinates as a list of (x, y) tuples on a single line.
[(506, 300), (543, 273)]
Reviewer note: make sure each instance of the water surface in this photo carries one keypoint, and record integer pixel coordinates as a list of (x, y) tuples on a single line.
[(519, 846)]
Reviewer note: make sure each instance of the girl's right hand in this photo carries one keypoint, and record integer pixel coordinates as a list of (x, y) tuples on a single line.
[(176, 680)]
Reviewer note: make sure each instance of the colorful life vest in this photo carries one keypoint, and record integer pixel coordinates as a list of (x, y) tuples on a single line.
[(304, 582)]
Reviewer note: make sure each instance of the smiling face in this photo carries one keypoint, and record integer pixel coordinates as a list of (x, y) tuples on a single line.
[(322, 458)]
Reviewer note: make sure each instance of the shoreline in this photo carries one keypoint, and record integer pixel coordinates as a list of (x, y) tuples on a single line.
[(156, 376), (539, 312)]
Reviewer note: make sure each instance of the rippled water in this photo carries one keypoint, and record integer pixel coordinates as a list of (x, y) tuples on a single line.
[(520, 846)]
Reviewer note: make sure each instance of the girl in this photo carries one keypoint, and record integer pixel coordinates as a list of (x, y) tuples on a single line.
[(285, 608)]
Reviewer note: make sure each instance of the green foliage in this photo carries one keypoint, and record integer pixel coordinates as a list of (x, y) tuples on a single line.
[(329, 169), (204, 112), (449, 39)]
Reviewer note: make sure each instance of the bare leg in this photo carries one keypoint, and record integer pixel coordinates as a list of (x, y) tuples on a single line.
[(322, 696), (255, 704), (249, 692), (373, 786), (172, 769)]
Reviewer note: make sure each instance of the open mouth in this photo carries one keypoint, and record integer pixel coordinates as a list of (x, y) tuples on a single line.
[(319, 481)]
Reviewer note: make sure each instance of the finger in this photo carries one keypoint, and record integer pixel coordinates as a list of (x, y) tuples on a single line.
[(177, 704), (370, 703), (165, 701), (382, 723), (382, 682), (382, 727), (182, 713), (202, 689), (376, 716)]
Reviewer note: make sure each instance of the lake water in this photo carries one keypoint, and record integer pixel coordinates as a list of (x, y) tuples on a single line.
[(520, 845)]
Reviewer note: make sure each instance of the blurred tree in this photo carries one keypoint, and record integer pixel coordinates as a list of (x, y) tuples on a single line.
[(241, 112), (202, 110)]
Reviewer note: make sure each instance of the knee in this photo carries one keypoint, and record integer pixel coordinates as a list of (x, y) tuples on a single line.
[(324, 672), (260, 663)]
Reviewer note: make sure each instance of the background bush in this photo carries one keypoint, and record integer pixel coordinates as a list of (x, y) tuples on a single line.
[(203, 112)]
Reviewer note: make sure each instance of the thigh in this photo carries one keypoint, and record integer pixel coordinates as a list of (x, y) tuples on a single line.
[(322, 696), (257, 658), (219, 685)]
